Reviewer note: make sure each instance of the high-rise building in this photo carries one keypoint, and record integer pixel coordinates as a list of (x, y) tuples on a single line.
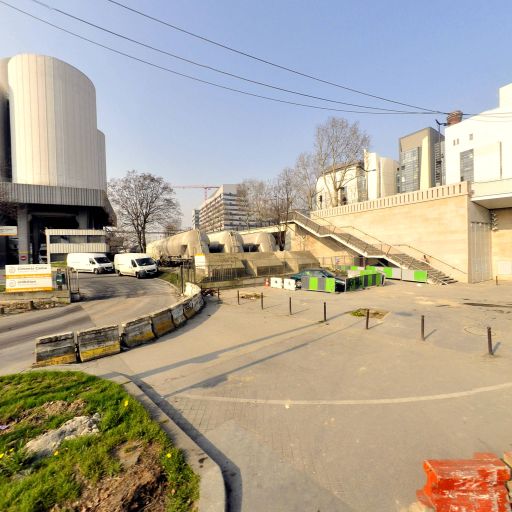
[(225, 211), (417, 169)]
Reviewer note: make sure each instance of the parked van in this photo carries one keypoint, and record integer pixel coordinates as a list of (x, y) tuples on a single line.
[(135, 264), (89, 262)]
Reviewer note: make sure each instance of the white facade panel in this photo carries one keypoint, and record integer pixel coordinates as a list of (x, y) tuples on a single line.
[(54, 136), (489, 135)]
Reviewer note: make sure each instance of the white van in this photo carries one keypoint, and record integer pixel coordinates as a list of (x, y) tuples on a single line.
[(89, 262), (136, 264)]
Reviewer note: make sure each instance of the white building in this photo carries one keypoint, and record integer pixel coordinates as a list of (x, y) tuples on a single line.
[(371, 178), (479, 149)]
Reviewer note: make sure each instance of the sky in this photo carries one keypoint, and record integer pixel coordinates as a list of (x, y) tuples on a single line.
[(438, 55)]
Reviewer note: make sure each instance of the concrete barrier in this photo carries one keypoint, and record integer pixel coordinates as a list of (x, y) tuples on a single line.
[(289, 284), (178, 317), (98, 342), (276, 282), (188, 308), (56, 349), (137, 332), (161, 322), (198, 302)]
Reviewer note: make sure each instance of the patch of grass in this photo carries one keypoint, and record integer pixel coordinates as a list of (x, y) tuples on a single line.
[(29, 485), (2, 288), (358, 312), (170, 277), (58, 264)]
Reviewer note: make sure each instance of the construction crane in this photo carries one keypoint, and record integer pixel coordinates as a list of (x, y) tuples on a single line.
[(205, 187)]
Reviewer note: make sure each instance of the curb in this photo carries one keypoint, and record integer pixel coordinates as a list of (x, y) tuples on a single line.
[(212, 491)]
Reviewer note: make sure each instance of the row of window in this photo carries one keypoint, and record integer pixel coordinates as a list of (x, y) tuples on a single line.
[(77, 239), (456, 141)]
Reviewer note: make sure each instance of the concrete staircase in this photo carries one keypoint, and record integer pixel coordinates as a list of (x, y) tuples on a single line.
[(373, 249)]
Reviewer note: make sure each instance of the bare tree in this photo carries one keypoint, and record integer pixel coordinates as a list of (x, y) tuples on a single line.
[(283, 197), (142, 202), (254, 201), (306, 175), (338, 145)]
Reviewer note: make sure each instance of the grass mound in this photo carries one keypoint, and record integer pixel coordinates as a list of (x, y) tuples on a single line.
[(35, 402)]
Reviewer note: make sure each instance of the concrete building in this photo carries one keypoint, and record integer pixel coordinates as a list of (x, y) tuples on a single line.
[(418, 169), (371, 178), (195, 218), (224, 211), (479, 149), (52, 155)]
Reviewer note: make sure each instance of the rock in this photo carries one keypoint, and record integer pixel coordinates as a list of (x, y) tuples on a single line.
[(47, 443)]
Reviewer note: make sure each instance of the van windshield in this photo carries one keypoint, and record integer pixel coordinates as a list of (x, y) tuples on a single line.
[(144, 262), (102, 259)]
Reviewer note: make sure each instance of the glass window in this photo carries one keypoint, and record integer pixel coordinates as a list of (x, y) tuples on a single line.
[(144, 262), (95, 239), (102, 259), (466, 165), (409, 172)]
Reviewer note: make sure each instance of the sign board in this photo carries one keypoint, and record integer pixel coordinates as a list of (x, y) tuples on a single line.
[(28, 278), (8, 230)]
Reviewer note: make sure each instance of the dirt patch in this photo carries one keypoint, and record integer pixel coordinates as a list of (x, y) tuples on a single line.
[(141, 486), (374, 313), (39, 415), (251, 296)]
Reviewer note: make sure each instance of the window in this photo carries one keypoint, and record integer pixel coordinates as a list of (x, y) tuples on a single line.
[(466, 165)]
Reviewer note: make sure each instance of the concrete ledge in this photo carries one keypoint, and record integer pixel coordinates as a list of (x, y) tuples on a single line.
[(98, 342), (212, 492), (137, 332), (56, 349), (162, 322)]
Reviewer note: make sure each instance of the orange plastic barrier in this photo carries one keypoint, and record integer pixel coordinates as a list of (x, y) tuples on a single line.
[(474, 485)]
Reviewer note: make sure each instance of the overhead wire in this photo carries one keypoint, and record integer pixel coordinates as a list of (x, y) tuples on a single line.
[(268, 62), (196, 79), (217, 70)]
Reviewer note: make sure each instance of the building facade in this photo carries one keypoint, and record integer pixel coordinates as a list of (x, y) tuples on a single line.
[(224, 211), (421, 163), (52, 155), (479, 149), (371, 178)]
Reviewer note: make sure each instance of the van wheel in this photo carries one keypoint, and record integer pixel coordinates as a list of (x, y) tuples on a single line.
[(137, 275), (95, 270), (118, 273)]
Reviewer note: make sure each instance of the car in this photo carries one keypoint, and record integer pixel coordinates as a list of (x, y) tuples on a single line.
[(318, 272)]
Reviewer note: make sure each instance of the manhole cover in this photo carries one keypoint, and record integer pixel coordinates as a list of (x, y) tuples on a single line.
[(477, 330)]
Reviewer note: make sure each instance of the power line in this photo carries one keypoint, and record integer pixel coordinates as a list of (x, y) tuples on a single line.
[(190, 77), (217, 70), (264, 61)]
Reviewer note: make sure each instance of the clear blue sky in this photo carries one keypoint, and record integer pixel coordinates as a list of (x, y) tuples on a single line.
[(440, 54)]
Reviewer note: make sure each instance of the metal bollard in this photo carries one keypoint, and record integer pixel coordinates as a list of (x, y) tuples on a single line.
[(489, 341), (261, 297), (238, 296), (367, 318), (30, 305), (325, 312), (290, 305), (496, 280), (422, 327), (218, 294), (2, 310)]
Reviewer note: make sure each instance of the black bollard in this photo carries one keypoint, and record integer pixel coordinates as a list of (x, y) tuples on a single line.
[(261, 300), (422, 327), (325, 312), (489, 341), (290, 305), (367, 318), (238, 296)]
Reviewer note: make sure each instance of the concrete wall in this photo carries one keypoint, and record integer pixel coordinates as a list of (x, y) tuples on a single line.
[(502, 244), (54, 136), (435, 226)]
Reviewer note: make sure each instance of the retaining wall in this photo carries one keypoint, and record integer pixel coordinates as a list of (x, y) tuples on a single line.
[(98, 342), (136, 332)]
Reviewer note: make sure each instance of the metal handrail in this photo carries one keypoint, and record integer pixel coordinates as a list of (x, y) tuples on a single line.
[(430, 256)]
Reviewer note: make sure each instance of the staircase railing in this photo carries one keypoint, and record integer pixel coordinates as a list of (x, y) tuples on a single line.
[(383, 249)]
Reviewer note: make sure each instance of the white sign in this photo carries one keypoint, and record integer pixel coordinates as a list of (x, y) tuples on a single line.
[(8, 230), (28, 278)]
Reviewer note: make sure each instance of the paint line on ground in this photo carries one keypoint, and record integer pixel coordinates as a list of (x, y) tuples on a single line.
[(375, 401)]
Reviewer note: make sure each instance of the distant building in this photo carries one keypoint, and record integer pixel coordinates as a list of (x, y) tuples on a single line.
[(224, 210), (417, 170), (371, 178), (195, 218), (479, 149)]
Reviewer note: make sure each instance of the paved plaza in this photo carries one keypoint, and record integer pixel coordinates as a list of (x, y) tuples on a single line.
[(308, 415)]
